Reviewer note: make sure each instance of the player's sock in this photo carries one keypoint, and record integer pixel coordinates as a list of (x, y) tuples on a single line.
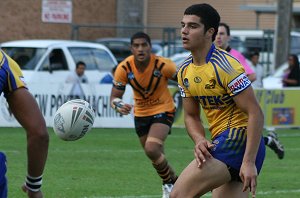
[(165, 171)]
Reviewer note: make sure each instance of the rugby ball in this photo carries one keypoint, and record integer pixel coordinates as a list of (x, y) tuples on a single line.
[(73, 120)]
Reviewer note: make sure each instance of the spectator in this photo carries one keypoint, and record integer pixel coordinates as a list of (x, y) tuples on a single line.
[(222, 41), (77, 77), (291, 77), (258, 69), (25, 109), (108, 78)]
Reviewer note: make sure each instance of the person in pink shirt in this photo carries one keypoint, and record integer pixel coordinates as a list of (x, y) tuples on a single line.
[(222, 41)]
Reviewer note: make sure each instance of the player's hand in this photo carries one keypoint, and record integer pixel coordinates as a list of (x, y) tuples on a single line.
[(121, 107), (32, 194), (248, 174), (201, 151), (125, 109)]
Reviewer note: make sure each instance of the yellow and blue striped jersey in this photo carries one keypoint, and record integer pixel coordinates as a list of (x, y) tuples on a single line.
[(214, 85), (11, 77)]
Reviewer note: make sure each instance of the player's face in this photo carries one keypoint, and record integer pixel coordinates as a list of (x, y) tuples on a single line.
[(192, 33), (222, 38), (141, 50)]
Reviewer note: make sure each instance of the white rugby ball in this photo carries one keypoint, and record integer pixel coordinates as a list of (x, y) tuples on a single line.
[(73, 120)]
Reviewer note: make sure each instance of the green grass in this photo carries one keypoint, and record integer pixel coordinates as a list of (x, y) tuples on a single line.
[(111, 163)]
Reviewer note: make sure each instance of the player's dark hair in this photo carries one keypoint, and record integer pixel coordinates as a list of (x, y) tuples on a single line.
[(140, 35), (226, 27), (80, 63), (208, 16)]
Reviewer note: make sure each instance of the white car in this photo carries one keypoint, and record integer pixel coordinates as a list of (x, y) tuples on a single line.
[(274, 81), (52, 60)]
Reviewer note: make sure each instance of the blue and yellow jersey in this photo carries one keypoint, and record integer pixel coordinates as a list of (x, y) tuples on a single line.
[(214, 85), (11, 77)]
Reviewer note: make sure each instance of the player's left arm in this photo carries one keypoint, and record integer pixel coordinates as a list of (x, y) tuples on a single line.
[(247, 102)]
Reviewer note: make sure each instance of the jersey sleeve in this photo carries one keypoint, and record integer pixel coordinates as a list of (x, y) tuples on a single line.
[(120, 77), (169, 70), (237, 81), (184, 92)]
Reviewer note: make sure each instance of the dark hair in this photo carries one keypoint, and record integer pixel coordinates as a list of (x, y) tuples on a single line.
[(255, 53), (140, 35), (80, 63), (226, 27), (207, 14), (296, 60)]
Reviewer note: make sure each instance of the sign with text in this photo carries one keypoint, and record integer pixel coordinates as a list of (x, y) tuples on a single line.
[(57, 11)]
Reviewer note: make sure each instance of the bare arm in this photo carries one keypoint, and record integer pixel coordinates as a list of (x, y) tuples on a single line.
[(115, 97), (196, 130), (26, 111), (248, 170)]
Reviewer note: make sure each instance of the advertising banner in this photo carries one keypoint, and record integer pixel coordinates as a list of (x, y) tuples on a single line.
[(281, 107), (50, 98)]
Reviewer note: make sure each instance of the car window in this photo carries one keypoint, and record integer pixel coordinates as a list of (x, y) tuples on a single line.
[(56, 61), (26, 57), (94, 58)]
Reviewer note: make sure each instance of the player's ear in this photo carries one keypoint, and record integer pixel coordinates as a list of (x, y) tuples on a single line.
[(210, 32)]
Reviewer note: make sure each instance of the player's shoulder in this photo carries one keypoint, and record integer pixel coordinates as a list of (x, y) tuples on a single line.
[(187, 61)]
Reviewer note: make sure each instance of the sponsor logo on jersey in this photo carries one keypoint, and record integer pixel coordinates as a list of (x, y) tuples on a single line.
[(157, 73), (197, 79), (186, 82), (130, 75), (238, 84), (211, 84)]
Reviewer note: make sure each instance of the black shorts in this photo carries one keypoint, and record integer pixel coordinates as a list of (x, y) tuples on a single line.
[(143, 124)]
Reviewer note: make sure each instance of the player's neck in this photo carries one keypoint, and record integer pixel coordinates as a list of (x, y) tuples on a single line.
[(199, 55)]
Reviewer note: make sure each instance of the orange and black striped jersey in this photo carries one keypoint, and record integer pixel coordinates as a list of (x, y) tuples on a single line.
[(150, 87)]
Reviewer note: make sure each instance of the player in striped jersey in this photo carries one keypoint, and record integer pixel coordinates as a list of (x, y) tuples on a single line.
[(25, 109), (227, 165), (154, 108)]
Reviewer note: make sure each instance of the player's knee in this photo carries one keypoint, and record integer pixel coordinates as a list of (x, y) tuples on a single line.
[(152, 150)]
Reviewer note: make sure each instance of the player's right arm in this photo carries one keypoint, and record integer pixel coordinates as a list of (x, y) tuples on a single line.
[(117, 103), (196, 130), (26, 111)]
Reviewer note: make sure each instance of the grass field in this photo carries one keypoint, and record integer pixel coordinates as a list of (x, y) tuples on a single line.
[(110, 163)]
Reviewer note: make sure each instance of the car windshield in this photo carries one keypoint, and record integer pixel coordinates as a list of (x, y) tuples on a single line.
[(94, 58), (26, 57)]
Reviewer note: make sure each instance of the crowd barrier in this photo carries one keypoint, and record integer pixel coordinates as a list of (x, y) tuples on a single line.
[(281, 107)]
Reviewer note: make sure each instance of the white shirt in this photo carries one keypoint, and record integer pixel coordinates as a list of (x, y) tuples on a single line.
[(259, 71), (76, 80)]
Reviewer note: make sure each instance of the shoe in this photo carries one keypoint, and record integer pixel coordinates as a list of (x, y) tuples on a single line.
[(275, 145), (167, 188)]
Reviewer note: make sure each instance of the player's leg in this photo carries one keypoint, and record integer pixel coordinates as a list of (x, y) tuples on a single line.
[(3, 181), (272, 141), (195, 181), (154, 149), (232, 189)]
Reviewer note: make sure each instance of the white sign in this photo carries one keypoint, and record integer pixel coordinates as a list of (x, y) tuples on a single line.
[(57, 11), (50, 98)]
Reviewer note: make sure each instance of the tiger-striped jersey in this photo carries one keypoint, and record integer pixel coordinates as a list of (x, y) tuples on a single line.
[(150, 87)]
